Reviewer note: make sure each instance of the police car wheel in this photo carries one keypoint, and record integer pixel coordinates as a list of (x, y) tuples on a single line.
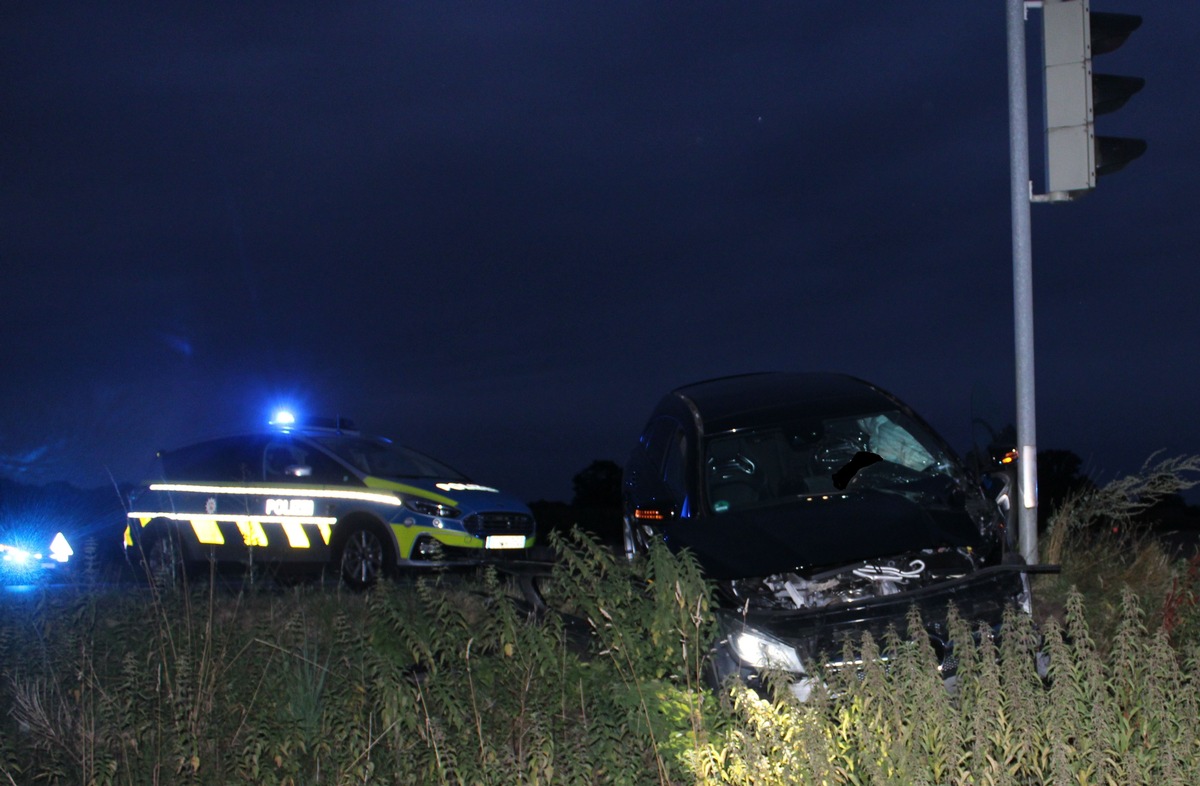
[(161, 558), (364, 558)]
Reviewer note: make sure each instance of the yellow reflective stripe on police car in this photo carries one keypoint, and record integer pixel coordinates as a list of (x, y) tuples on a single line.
[(252, 532), (406, 537), (207, 530), (294, 531), (290, 508), (416, 491), (285, 491)]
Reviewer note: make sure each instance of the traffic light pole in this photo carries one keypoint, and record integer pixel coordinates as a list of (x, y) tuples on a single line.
[(1018, 148), (1075, 157)]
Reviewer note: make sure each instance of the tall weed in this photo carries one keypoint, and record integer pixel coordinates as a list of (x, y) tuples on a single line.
[(1101, 539), (452, 680), (1122, 719)]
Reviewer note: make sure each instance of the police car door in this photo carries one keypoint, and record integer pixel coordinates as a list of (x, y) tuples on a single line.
[(208, 491), (292, 519)]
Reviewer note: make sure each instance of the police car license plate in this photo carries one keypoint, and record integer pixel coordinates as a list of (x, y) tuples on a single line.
[(504, 542)]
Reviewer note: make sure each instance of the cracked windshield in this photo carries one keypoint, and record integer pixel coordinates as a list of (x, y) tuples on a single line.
[(885, 452)]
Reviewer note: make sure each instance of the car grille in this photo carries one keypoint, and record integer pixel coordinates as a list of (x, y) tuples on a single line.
[(483, 524)]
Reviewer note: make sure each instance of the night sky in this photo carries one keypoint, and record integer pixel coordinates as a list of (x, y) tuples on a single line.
[(500, 231)]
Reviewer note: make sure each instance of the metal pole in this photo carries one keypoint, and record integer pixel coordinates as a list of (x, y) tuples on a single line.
[(1018, 148)]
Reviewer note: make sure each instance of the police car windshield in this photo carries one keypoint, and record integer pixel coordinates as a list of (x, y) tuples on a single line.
[(383, 459)]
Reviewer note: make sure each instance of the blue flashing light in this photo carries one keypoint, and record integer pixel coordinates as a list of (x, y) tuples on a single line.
[(286, 420), (21, 563), (283, 418), (15, 555), (18, 563)]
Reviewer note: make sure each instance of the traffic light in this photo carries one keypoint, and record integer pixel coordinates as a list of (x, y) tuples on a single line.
[(1071, 37)]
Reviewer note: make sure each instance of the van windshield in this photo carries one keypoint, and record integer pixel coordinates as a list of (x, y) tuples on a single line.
[(883, 451)]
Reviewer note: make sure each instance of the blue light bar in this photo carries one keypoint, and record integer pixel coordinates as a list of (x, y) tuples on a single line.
[(283, 418)]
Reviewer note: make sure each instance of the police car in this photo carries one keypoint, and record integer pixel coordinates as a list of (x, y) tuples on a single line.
[(317, 494)]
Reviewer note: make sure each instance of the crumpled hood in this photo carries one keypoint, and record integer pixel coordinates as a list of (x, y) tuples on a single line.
[(837, 530)]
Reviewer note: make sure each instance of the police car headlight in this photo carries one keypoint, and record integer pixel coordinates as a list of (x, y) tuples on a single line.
[(428, 507), (762, 651)]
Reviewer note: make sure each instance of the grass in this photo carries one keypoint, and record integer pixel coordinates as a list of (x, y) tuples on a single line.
[(445, 681), (1105, 543)]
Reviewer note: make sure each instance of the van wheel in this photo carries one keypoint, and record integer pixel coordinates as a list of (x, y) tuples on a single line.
[(631, 540), (364, 557)]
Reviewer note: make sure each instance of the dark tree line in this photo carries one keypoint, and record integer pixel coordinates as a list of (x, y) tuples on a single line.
[(595, 506)]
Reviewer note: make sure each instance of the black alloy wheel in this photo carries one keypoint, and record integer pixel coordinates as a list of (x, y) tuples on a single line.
[(364, 558)]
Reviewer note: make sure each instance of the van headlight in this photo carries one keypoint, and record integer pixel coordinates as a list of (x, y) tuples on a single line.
[(759, 650)]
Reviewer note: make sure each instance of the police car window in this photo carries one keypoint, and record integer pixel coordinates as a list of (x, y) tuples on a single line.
[(328, 471), (384, 459), (283, 461), (292, 461), (230, 460)]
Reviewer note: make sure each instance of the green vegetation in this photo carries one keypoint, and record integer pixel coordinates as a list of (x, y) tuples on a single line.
[(440, 681), (1104, 541), (452, 680)]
